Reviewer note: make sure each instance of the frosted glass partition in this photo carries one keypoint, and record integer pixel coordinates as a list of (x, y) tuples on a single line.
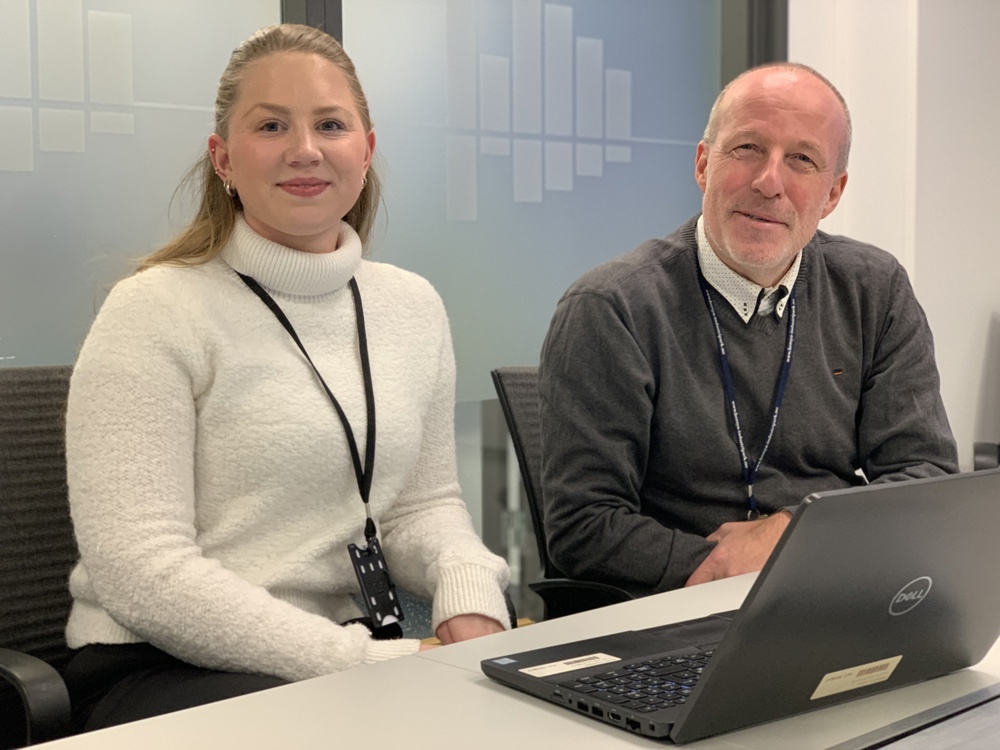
[(104, 104), (524, 142)]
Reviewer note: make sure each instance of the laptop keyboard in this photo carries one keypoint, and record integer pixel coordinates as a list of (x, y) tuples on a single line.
[(645, 686)]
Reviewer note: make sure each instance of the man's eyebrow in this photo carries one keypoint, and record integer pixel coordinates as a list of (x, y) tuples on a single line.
[(802, 145), (807, 145), (744, 134)]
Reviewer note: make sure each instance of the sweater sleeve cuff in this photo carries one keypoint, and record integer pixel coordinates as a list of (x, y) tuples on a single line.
[(467, 590), (384, 650)]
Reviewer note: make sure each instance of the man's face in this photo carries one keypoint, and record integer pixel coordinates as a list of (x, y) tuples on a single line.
[(770, 173)]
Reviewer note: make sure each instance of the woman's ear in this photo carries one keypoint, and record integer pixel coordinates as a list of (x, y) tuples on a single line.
[(219, 154)]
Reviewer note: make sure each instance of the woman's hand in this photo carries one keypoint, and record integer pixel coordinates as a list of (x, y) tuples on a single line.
[(464, 627)]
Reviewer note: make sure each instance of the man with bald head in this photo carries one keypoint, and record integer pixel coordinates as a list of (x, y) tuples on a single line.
[(697, 388)]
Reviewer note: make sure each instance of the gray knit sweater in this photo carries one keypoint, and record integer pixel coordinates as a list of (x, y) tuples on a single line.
[(639, 460)]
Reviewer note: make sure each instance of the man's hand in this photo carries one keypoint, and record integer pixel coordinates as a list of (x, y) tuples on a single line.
[(741, 547), (464, 627)]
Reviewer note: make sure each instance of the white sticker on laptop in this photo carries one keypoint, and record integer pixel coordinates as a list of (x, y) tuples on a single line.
[(856, 677), (577, 662)]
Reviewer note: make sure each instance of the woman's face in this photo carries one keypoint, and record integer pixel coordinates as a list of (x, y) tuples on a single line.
[(297, 150)]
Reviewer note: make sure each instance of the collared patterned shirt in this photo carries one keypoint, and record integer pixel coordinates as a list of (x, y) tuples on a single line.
[(746, 297)]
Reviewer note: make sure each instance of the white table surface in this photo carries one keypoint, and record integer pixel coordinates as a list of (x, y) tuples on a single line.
[(441, 699)]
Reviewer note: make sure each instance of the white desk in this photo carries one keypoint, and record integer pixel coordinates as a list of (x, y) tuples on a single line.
[(440, 699)]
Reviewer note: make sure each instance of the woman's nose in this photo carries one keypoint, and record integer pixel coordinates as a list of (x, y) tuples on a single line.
[(304, 147)]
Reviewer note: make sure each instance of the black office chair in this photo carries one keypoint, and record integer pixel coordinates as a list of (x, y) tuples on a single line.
[(37, 552), (986, 456), (517, 388)]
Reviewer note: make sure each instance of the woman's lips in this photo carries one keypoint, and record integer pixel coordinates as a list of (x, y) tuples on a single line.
[(304, 188)]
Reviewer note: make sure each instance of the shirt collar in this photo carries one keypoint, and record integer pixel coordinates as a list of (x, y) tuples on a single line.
[(738, 291)]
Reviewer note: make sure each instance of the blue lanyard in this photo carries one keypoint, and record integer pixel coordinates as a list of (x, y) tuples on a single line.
[(750, 472)]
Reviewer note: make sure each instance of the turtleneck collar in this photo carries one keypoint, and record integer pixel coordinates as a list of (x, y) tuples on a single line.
[(286, 271)]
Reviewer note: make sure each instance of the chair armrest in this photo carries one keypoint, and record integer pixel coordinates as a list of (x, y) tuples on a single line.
[(985, 455), (511, 612), (564, 596), (43, 694)]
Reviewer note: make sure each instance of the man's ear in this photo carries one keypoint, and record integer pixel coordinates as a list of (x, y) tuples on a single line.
[(836, 190), (701, 165)]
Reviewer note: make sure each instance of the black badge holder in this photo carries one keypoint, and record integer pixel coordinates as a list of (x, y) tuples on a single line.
[(377, 588)]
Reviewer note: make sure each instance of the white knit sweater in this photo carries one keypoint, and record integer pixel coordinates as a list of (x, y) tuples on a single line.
[(211, 484)]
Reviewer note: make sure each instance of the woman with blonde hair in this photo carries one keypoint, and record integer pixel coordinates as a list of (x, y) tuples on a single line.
[(261, 422)]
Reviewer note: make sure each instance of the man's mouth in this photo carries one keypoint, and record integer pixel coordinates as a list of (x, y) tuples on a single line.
[(761, 218)]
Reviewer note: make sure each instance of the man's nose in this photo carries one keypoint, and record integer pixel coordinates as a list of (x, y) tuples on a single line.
[(769, 180)]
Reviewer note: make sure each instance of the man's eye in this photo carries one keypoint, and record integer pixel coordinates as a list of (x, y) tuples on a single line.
[(804, 160)]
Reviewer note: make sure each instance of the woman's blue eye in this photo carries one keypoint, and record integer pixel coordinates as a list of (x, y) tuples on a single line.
[(270, 127), (330, 125)]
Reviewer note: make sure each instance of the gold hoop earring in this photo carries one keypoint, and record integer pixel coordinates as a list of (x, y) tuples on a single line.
[(228, 187), (364, 181)]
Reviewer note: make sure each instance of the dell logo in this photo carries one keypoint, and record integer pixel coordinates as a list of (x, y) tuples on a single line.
[(910, 596)]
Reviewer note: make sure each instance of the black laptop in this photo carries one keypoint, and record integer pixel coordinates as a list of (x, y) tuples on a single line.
[(869, 589)]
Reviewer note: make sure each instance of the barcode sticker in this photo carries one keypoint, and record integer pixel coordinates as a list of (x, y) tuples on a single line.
[(577, 662), (856, 677)]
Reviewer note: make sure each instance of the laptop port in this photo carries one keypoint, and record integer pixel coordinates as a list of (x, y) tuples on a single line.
[(632, 724), (581, 706), (614, 717), (597, 711)]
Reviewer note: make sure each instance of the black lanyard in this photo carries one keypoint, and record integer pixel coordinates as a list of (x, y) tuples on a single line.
[(362, 473), (750, 472)]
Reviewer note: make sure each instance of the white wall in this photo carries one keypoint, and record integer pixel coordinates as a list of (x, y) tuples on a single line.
[(920, 79)]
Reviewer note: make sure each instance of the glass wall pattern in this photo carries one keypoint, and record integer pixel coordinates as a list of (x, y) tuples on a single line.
[(104, 104), (525, 142)]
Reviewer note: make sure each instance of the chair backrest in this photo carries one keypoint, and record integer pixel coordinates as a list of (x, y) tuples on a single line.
[(517, 388), (37, 546)]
